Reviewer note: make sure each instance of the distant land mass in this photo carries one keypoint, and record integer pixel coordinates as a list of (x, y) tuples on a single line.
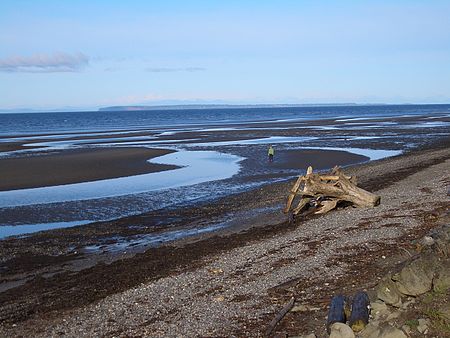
[(224, 106)]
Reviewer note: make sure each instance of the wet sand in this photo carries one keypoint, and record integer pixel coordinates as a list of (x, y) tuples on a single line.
[(78, 165), (318, 159)]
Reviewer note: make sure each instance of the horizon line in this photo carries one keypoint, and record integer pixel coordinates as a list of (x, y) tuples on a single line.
[(176, 106)]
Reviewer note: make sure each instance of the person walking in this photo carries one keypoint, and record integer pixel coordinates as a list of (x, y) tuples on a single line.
[(271, 152)]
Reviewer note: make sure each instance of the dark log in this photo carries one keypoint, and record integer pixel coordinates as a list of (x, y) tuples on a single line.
[(279, 316), (360, 311), (336, 313)]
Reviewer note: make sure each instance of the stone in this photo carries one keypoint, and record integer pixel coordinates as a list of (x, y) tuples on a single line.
[(408, 303), (441, 282), (371, 330), (428, 241), (386, 331), (387, 291), (423, 325), (378, 309), (300, 308), (393, 315), (407, 330), (341, 330), (417, 277), (391, 332)]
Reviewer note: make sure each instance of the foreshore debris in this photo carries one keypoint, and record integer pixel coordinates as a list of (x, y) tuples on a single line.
[(321, 193)]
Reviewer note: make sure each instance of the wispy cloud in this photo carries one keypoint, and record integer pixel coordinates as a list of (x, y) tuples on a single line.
[(44, 63), (171, 70)]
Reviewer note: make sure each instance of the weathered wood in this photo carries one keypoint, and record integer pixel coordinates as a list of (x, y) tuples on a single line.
[(327, 206), (301, 205), (327, 191), (280, 315), (292, 193), (342, 189), (336, 312), (359, 317)]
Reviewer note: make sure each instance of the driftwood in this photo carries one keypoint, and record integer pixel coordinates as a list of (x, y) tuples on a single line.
[(323, 193), (280, 315)]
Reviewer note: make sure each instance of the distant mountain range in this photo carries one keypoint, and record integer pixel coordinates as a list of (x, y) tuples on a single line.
[(220, 106)]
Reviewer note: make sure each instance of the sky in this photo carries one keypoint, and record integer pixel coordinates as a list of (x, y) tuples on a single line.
[(90, 54)]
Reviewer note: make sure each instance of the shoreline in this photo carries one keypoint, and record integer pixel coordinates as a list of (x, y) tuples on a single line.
[(184, 256)]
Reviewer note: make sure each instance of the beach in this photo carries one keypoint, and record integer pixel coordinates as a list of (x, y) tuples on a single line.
[(235, 281), (213, 257)]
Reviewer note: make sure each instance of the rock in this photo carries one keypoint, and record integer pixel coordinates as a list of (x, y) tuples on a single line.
[(371, 330), (341, 330), (300, 308), (391, 332), (378, 309), (393, 315), (417, 277), (423, 326), (427, 241), (388, 331), (387, 291), (407, 330), (408, 303), (441, 282)]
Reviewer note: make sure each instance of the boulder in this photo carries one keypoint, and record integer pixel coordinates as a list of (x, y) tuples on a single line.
[(387, 291), (341, 330), (442, 279), (417, 277)]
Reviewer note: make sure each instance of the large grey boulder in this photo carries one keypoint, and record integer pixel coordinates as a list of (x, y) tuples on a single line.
[(387, 291), (417, 277)]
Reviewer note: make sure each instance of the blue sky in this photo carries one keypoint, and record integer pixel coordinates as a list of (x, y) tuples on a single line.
[(88, 54)]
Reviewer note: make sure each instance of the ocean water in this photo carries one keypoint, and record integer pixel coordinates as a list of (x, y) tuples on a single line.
[(219, 152), (43, 123)]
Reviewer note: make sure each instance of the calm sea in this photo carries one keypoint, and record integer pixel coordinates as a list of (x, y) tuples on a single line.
[(36, 123)]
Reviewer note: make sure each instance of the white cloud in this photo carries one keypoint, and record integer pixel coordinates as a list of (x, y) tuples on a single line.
[(44, 63)]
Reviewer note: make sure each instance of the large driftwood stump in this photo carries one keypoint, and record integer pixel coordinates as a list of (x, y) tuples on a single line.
[(324, 192)]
